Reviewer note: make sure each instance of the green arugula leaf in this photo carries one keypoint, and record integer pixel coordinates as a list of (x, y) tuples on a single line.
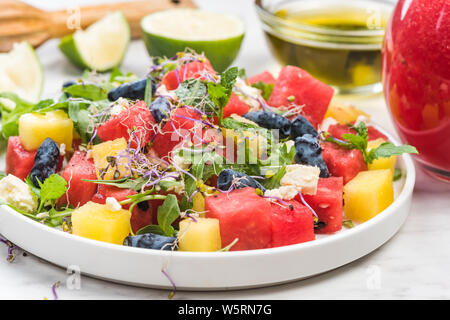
[(266, 89), (192, 92), (168, 212), (124, 183), (10, 117), (152, 228), (87, 91)]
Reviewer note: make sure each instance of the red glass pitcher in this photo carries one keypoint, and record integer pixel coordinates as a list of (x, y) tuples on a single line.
[(416, 79)]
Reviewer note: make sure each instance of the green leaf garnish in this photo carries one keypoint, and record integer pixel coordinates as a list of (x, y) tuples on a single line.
[(52, 189), (228, 247), (168, 212), (397, 174), (148, 91), (87, 91), (360, 141), (348, 224), (266, 89)]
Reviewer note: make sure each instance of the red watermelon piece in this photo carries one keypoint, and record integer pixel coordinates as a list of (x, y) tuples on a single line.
[(19, 161), (137, 118), (178, 128), (327, 203), (342, 162), (306, 90), (139, 218), (190, 70), (235, 105), (265, 77), (244, 215), (337, 130), (291, 226), (79, 192)]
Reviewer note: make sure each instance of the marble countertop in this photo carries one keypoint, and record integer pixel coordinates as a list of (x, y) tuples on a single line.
[(414, 264)]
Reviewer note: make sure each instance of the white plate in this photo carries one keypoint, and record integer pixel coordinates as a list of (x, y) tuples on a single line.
[(211, 270)]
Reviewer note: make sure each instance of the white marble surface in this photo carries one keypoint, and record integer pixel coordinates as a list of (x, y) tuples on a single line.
[(413, 264)]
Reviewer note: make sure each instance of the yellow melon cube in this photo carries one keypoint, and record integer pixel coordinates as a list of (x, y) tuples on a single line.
[(101, 222), (111, 159), (344, 113), (198, 203), (202, 235), (367, 194), (381, 163), (34, 128)]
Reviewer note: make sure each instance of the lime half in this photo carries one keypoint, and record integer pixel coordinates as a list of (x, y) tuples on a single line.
[(217, 35), (21, 72), (101, 46)]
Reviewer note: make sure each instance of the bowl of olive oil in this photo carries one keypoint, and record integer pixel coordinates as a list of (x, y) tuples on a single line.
[(338, 41)]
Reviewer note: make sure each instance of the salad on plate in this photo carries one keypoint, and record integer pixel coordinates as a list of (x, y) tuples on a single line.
[(190, 159)]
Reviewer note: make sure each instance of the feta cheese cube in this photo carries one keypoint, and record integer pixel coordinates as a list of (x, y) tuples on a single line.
[(17, 193), (304, 178)]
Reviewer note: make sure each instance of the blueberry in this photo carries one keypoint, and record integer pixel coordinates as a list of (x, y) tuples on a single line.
[(270, 120), (241, 180), (151, 241), (133, 90), (309, 152), (160, 109), (45, 162), (300, 126)]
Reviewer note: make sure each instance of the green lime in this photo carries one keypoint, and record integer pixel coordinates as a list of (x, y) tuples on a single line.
[(101, 46), (21, 72), (218, 36)]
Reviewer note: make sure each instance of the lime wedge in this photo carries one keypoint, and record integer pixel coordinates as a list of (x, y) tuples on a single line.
[(21, 72), (217, 35), (101, 46)]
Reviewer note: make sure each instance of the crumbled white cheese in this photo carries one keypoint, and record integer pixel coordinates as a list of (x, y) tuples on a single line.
[(116, 109), (298, 178), (162, 91), (325, 125), (283, 192), (179, 161), (302, 177), (113, 204), (17, 193)]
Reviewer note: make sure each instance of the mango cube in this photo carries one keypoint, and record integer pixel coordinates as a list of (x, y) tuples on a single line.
[(111, 159), (34, 128), (367, 194), (381, 163), (344, 113), (198, 203), (101, 222), (203, 234)]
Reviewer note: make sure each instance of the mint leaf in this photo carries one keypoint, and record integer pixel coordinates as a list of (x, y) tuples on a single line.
[(228, 77), (388, 149), (220, 93), (52, 189), (266, 89), (168, 212)]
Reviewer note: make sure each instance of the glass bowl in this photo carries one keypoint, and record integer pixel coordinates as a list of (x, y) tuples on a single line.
[(339, 42)]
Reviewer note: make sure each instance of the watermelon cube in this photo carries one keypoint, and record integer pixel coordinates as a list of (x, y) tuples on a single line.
[(337, 130), (188, 71), (327, 203), (139, 218), (305, 91), (291, 225), (137, 118), (265, 77), (79, 192), (179, 128), (19, 161), (244, 215), (236, 106), (342, 162)]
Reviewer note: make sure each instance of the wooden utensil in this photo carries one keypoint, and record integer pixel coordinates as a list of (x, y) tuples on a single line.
[(20, 21)]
